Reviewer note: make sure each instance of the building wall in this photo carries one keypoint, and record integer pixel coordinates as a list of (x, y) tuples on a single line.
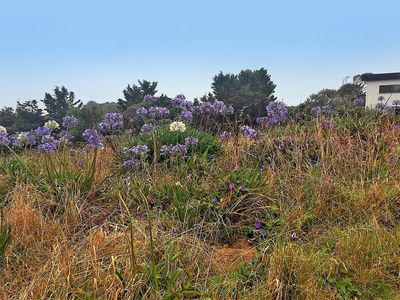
[(372, 92)]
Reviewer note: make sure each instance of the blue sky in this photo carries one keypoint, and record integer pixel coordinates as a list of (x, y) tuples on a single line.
[(96, 48)]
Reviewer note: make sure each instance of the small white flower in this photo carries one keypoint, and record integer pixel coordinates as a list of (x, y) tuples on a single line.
[(52, 125), (3, 129), (22, 137), (178, 183), (177, 126)]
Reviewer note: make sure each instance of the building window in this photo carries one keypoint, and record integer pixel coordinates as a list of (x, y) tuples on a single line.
[(389, 89)]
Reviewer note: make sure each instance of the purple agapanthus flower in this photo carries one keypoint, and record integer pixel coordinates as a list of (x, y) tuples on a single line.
[(30, 137), (249, 132), (132, 164), (358, 102), (147, 128), (174, 150), (191, 141), (15, 142), (242, 188), (148, 98), (66, 137), (69, 122), (165, 149), (142, 111), (48, 144), (396, 102), (4, 138), (316, 110), (112, 120), (384, 108), (158, 112), (276, 113), (42, 131), (93, 138), (257, 225), (138, 150), (179, 100), (216, 107), (185, 115), (179, 150)]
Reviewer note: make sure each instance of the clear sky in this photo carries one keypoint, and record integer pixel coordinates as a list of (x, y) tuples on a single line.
[(96, 48)]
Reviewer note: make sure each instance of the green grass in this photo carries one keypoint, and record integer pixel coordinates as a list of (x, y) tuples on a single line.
[(328, 203)]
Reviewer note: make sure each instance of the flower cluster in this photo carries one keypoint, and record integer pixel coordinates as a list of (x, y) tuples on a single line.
[(138, 150), (396, 102), (69, 122), (93, 138), (147, 127), (276, 113), (142, 111), (384, 108), (132, 164), (158, 112), (186, 115), (249, 132), (174, 150), (325, 110), (214, 108), (191, 141), (52, 125), (4, 139), (111, 121), (42, 131), (48, 144), (358, 102), (180, 101), (179, 149), (177, 126), (148, 98)]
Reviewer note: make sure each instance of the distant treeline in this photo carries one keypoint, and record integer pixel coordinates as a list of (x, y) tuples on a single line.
[(248, 92)]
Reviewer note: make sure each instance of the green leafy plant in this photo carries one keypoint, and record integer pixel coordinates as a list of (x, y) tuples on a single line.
[(207, 144)]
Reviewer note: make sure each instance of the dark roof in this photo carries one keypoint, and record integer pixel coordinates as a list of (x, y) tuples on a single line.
[(378, 77)]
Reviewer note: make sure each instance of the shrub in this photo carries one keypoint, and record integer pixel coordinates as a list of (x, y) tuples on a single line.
[(207, 144)]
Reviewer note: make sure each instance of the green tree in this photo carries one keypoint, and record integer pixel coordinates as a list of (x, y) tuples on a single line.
[(7, 118), (29, 115), (57, 105), (248, 92), (134, 94)]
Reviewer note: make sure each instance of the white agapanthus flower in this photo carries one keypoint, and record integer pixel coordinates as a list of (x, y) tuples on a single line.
[(3, 129), (21, 137), (52, 125), (177, 126)]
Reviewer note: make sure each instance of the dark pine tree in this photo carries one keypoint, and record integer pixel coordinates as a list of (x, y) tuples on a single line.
[(57, 105)]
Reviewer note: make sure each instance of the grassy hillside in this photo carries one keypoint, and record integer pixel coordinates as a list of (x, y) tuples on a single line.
[(302, 212)]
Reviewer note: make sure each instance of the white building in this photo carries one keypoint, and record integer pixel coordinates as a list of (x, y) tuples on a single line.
[(384, 87)]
